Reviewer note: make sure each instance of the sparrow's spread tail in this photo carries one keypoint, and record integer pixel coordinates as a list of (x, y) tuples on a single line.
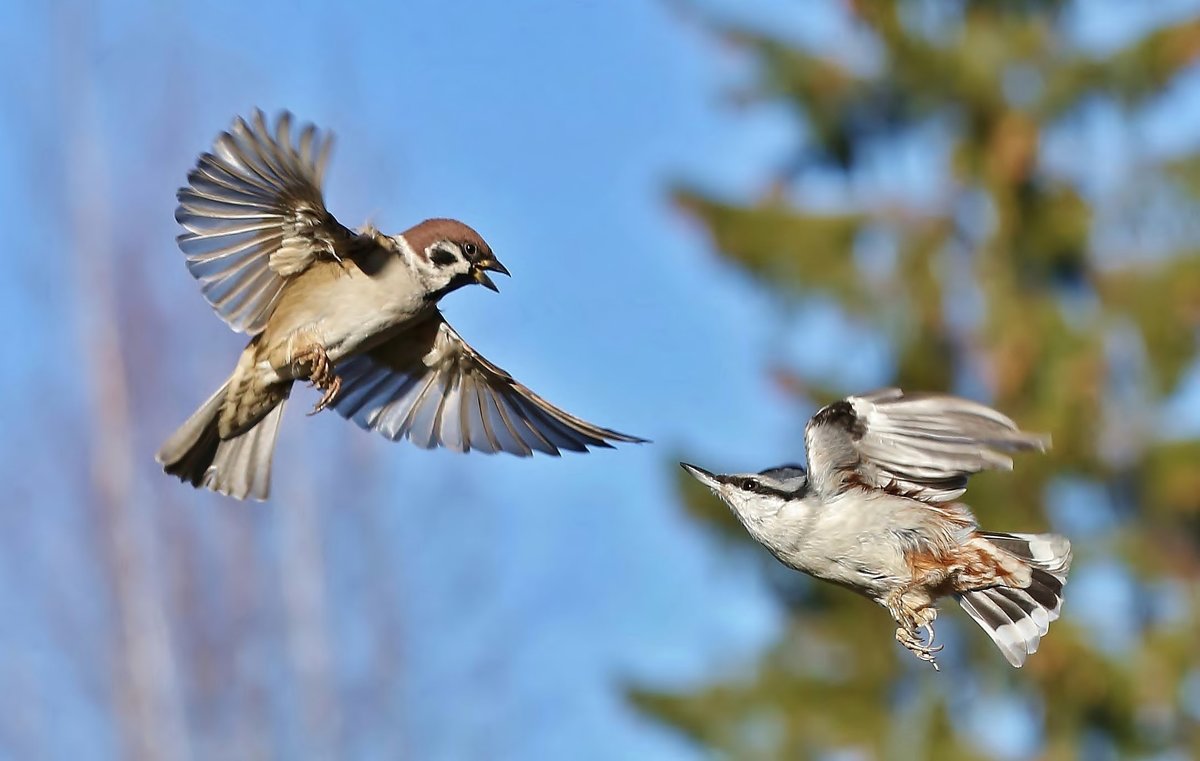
[(1016, 618), (239, 466)]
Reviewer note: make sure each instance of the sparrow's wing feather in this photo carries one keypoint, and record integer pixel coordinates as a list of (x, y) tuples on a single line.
[(921, 444), (429, 386), (255, 217)]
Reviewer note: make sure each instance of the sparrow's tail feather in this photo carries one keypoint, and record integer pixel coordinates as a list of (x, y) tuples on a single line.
[(239, 467), (191, 449), (242, 465), (1016, 618)]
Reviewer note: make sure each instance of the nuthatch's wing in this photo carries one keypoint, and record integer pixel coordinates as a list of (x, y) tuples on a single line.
[(429, 386), (924, 445)]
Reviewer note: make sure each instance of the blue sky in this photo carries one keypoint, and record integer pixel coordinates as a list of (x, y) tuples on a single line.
[(513, 597), (554, 129)]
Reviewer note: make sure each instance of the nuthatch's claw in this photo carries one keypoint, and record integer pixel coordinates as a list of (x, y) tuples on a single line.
[(923, 650), (929, 639)]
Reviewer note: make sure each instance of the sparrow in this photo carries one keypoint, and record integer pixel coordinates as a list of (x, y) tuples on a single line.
[(352, 312), (877, 512)]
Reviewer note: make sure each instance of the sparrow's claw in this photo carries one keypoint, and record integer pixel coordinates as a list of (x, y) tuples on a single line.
[(320, 374), (331, 391)]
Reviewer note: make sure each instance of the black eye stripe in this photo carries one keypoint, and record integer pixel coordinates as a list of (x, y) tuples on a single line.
[(442, 258), (749, 484)]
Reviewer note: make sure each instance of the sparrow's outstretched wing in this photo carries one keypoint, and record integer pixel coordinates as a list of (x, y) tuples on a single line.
[(429, 386), (255, 216), (921, 444)]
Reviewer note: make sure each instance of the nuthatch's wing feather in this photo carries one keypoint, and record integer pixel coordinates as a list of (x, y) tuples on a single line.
[(924, 445), (429, 386), (255, 216)]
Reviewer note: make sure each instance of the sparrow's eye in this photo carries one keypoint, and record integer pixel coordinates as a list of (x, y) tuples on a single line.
[(469, 249)]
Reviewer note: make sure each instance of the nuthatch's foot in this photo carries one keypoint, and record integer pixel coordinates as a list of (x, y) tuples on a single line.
[(924, 650), (912, 618)]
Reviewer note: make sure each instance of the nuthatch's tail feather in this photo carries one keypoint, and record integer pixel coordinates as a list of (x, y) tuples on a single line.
[(1017, 618)]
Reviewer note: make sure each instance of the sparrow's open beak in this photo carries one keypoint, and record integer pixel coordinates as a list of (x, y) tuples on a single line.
[(481, 276), (703, 476)]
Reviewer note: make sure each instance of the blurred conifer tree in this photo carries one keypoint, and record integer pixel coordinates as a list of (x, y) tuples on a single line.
[(1075, 313)]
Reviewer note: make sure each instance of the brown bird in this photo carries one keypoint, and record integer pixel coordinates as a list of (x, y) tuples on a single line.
[(355, 313)]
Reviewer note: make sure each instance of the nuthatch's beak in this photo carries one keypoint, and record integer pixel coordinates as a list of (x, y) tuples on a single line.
[(710, 480), (480, 272)]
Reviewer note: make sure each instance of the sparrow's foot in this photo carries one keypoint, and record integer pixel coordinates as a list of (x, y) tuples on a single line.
[(320, 374), (327, 398)]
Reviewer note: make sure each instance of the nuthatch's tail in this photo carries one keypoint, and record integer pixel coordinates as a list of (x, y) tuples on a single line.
[(1016, 618)]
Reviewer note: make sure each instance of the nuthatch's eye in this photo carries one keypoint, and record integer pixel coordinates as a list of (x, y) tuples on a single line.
[(754, 485)]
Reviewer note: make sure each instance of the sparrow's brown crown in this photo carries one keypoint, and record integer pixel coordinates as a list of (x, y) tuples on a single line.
[(455, 249), (425, 234)]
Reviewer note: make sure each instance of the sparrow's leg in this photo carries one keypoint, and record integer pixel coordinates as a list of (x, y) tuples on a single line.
[(312, 357), (913, 610)]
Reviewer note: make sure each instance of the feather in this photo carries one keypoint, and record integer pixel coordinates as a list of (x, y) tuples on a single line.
[(429, 386), (255, 203)]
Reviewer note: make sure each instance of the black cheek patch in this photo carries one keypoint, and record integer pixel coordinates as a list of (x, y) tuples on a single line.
[(442, 258)]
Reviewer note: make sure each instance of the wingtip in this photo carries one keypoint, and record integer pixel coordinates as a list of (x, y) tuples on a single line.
[(1031, 442), (610, 436)]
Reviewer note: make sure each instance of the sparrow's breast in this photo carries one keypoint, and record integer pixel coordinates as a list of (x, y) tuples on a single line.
[(345, 308)]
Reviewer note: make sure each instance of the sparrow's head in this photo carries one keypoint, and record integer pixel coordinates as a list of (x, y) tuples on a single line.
[(447, 255), (754, 496)]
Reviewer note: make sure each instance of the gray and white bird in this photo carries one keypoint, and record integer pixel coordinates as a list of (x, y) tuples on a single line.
[(877, 512), (355, 313)]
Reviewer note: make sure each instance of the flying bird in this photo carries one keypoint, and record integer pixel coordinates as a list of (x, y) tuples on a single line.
[(353, 312), (878, 511)]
